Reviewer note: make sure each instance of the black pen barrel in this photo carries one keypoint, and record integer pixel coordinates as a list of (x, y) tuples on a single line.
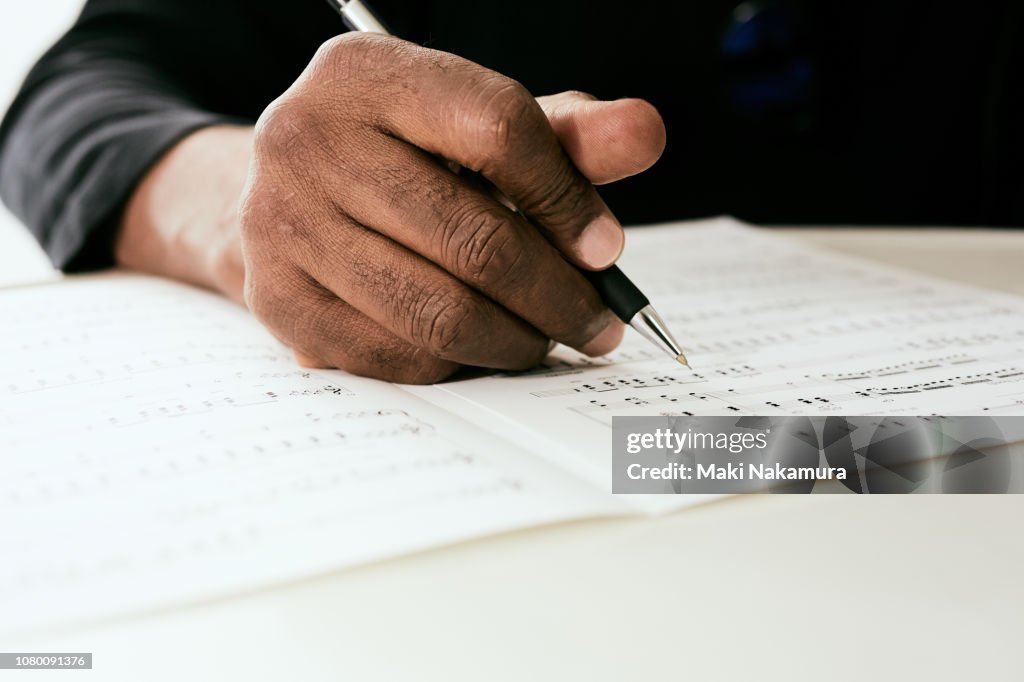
[(621, 295)]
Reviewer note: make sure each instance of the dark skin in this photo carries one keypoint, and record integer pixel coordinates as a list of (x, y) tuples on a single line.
[(339, 223)]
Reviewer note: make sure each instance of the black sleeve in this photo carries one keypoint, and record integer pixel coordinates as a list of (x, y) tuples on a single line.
[(129, 79)]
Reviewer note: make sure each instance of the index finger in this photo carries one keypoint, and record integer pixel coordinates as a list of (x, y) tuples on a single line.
[(491, 124)]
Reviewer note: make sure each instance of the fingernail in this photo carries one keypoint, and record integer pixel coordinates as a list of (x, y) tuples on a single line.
[(607, 340), (601, 242)]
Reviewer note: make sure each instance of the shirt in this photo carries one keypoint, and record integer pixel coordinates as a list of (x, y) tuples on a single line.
[(807, 111)]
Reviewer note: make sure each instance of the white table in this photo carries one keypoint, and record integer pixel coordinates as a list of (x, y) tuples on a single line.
[(754, 587)]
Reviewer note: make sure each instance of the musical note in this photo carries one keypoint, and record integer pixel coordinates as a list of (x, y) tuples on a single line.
[(170, 420), (774, 327), (159, 445)]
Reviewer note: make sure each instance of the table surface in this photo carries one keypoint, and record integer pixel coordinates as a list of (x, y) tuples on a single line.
[(794, 587)]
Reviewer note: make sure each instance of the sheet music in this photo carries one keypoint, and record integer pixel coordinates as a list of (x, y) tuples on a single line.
[(772, 327), (157, 446)]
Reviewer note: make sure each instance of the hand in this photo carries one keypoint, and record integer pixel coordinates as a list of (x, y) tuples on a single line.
[(364, 251)]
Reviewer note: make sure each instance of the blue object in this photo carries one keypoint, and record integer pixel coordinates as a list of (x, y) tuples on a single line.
[(770, 76)]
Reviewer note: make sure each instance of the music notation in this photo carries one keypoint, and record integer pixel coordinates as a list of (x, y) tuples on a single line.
[(967, 340), (616, 383), (781, 329), (159, 445), (902, 368), (951, 382), (170, 420)]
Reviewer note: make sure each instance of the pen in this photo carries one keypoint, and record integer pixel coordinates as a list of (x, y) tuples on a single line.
[(620, 294)]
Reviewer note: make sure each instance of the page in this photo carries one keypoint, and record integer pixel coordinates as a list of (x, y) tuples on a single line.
[(771, 327), (158, 446)]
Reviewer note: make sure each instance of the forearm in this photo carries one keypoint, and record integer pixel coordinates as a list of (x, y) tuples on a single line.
[(129, 81), (182, 220)]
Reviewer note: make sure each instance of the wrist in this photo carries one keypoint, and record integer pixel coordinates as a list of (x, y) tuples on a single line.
[(181, 221)]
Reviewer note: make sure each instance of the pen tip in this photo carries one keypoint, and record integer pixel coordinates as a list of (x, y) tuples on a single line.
[(681, 359)]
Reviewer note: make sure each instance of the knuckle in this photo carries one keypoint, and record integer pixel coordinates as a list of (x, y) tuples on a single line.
[(508, 112), (352, 68), (407, 299), (337, 50), (356, 73), (580, 94), (567, 201), (486, 246), (352, 53), (336, 55), (444, 323), (282, 127)]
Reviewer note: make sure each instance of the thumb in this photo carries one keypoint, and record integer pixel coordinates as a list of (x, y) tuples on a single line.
[(607, 141)]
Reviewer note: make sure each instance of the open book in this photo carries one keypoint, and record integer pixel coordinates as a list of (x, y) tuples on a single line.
[(158, 446)]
